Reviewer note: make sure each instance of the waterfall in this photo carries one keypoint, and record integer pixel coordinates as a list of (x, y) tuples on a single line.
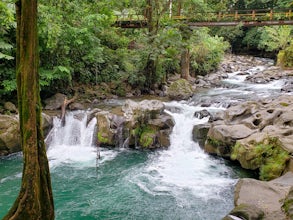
[(73, 142), (185, 166)]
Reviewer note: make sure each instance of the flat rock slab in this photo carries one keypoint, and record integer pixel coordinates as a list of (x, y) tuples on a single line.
[(267, 196)]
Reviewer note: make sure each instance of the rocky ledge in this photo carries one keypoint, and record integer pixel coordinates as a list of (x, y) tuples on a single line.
[(258, 134), (135, 124)]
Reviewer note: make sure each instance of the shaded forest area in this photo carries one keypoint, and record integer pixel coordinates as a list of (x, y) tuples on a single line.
[(78, 44)]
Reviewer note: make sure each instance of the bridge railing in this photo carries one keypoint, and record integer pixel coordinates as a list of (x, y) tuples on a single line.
[(243, 15), (233, 15)]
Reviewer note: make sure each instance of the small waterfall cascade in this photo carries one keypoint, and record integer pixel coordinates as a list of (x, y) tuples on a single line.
[(73, 142), (185, 166)]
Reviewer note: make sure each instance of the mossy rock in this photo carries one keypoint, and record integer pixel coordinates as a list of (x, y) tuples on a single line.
[(288, 204), (180, 89), (268, 156), (146, 136)]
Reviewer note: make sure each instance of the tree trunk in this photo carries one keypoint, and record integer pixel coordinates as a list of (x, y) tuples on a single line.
[(35, 199), (184, 63), (149, 16)]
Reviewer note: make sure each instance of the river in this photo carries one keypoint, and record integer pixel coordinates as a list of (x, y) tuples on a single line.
[(181, 182)]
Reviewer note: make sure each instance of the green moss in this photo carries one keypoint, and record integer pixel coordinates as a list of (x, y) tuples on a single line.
[(268, 155), (102, 139), (288, 205), (146, 139), (284, 104), (236, 150), (214, 142), (145, 134)]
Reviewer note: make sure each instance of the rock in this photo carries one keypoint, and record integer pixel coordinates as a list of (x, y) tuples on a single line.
[(221, 138), (141, 124), (288, 86), (76, 106), (267, 197), (105, 133), (202, 114), (151, 108), (245, 211), (179, 90), (9, 135), (288, 204), (47, 123), (55, 102), (199, 133), (268, 75), (261, 152), (9, 106), (149, 126)]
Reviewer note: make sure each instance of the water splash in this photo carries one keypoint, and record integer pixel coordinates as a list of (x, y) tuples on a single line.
[(184, 166), (73, 142)]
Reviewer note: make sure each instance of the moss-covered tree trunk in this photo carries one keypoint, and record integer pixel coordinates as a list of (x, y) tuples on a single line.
[(184, 63), (35, 199)]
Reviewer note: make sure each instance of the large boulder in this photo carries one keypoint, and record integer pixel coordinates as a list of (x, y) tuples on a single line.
[(9, 134), (268, 198), (148, 125), (111, 129), (263, 153), (179, 90), (221, 138), (10, 107), (55, 102), (199, 133)]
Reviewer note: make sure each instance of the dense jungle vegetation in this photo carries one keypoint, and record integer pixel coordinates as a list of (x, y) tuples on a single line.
[(79, 45)]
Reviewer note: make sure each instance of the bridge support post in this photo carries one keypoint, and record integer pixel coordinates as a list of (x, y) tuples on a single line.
[(236, 16), (271, 15)]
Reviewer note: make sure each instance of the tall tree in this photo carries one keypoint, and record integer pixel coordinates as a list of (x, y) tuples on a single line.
[(35, 199)]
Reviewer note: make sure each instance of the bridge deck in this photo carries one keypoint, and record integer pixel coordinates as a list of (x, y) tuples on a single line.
[(245, 17)]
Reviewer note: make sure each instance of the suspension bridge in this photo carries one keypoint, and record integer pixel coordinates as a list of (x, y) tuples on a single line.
[(258, 17)]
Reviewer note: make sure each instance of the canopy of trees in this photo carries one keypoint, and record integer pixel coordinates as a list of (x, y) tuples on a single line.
[(78, 43)]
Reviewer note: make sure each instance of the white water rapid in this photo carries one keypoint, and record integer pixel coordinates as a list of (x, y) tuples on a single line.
[(185, 168)]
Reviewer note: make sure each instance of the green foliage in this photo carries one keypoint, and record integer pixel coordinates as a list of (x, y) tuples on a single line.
[(206, 52), (252, 37), (285, 57), (274, 38), (214, 142), (77, 42)]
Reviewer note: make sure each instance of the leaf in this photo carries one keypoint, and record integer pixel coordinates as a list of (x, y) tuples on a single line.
[(5, 56)]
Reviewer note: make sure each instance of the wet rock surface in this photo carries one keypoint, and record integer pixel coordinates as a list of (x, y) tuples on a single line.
[(256, 199)]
